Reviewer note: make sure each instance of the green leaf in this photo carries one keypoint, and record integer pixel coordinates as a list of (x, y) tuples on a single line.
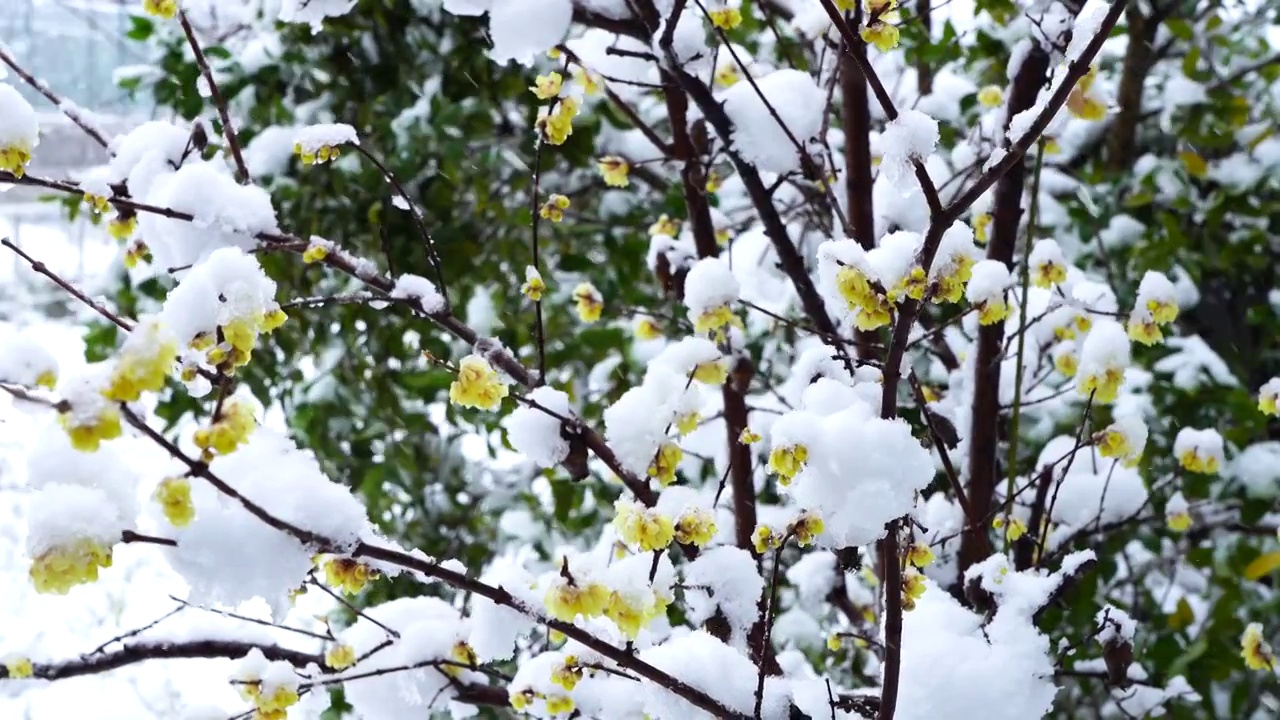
[(1182, 616), (1262, 565), (140, 28)]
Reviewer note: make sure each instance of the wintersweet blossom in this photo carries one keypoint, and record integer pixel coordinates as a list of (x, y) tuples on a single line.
[(920, 555), (143, 362), (991, 96), (986, 290), (556, 124), (748, 436), (1267, 396), (787, 461), (646, 328), (664, 464), (589, 301), (665, 226), (590, 82), (766, 538), (725, 18), (1083, 103), (1013, 529), (1124, 439), (547, 86), (18, 668), (913, 588), (1156, 305), (879, 30), (643, 527), (981, 224), (1048, 266), (478, 385), (230, 430), (1199, 451), (709, 291), (1255, 650), (322, 143), (1103, 360), (614, 170), (534, 287), (1177, 513), (317, 250), (19, 131), (695, 526), (553, 209), (58, 569), (340, 657), (806, 528), (122, 226), (174, 496), (566, 599), (348, 575), (166, 9)]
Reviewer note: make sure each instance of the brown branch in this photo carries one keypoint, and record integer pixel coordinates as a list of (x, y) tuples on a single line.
[(891, 574), (140, 651), (68, 109), (72, 290), (228, 130)]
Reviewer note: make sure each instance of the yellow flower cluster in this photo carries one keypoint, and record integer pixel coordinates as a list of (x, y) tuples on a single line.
[(174, 496), (786, 462), (19, 668), (59, 569), (340, 657), (97, 203), (87, 437), (856, 290), (14, 158), (240, 337), (166, 9), (665, 461), (477, 385), (141, 366), (631, 617), (615, 171), (643, 527), (271, 704), (229, 430), (137, 252), (465, 657), (318, 156), (951, 279), (913, 588), (725, 18), (878, 29), (553, 209), (349, 576), (557, 125), (566, 600), (1104, 385), (696, 526), (687, 422), (589, 301), (749, 436), (1255, 650), (716, 321), (547, 86)]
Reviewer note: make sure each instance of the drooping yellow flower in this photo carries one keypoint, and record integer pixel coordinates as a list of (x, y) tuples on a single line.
[(687, 422), (879, 29), (696, 526), (565, 601), (1081, 103), (981, 224), (567, 673), (87, 436), (643, 527), (748, 436), (534, 287), (591, 82), (557, 125), (807, 527), (348, 575), (1013, 530), (316, 251), (615, 170), (727, 74), (712, 372), (560, 704), (1142, 328), (714, 182), (174, 496), (477, 385), (553, 209), (646, 328), (1255, 650), (229, 431), (992, 312), (663, 466), (913, 588), (787, 461), (57, 570), (142, 365), (1267, 397), (590, 303), (665, 226), (765, 538), (1104, 385), (991, 96), (340, 657), (920, 555), (716, 320), (122, 226)]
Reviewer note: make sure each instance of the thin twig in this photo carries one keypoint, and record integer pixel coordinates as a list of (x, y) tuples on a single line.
[(219, 102)]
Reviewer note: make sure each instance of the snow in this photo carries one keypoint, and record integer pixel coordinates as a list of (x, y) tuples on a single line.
[(523, 29), (912, 136), (415, 287), (228, 285), (19, 126), (313, 137), (23, 359), (709, 665), (52, 461), (990, 280), (732, 585), (709, 285), (535, 433), (757, 136), (313, 12)]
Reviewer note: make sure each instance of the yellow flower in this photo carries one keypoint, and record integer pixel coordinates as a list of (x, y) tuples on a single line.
[(665, 226), (318, 154), (913, 588), (166, 9), (14, 158), (881, 34), (786, 462), (687, 422), (174, 496), (19, 668), (1200, 463), (1163, 312), (229, 431), (315, 252), (350, 576), (991, 96), (143, 365), (565, 601), (478, 385), (614, 170), (646, 328), (1104, 385), (920, 555), (644, 527), (1114, 443), (748, 436), (547, 86), (559, 704), (533, 287), (86, 437), (1066, 362), (714, 181), (1016, 528), (1083, 105), (725, 18), (713, 372), (727, 75), (340, 657), (981, 226), (807, 527), (1144, 330), (589, 301), (716, 320), (97, 203), (121, 227), (992, 312), (695, 526), (61, 568), (567, 673), (136, 252), (1255, 650), (557, 126), (520, 700), (1267, 397), (1048, 274), (1052, 146), (553, 209), (591, 82), (834, 643), (663, 467), (1178, 521), (47, 379), (765, 538)]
